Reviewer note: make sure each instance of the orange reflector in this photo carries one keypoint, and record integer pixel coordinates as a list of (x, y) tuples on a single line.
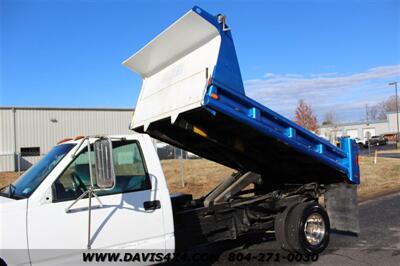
[(64, 140), (78, 137), (214, 96), (357, 160), (198, 131)]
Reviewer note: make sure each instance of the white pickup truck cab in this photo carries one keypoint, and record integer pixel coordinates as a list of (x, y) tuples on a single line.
[(135, 214)]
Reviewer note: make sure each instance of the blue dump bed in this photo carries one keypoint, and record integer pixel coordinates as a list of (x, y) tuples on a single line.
[(225, 125)]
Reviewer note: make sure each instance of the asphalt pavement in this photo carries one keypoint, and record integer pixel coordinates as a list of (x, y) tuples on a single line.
[(377, 244), (390, 155), (371, 151)]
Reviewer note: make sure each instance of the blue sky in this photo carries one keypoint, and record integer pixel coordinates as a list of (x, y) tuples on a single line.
[(337, 55)]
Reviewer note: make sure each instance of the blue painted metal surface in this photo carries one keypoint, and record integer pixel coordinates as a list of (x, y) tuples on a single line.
[(226, 73), (351, 161), (227, 83)]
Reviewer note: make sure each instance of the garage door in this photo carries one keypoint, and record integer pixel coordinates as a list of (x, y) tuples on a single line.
[(368, 132), (352, 133)]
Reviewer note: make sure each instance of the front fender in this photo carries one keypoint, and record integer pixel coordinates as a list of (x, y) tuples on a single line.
[(13, 231)]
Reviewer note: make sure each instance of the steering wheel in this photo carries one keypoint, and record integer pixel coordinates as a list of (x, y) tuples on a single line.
[(80, 184)]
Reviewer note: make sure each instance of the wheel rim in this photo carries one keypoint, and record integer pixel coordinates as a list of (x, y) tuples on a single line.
[(314, 229)]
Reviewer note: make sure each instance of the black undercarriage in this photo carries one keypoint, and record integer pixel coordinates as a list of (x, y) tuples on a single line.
[(238, 206)]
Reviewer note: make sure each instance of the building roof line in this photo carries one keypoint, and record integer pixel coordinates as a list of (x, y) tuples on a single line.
[(355, 123), (392, 112), (65, 108)]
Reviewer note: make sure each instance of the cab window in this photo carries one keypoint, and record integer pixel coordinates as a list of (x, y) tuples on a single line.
[(129, 168)]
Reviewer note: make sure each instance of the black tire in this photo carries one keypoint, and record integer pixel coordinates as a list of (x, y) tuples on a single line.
[(2, 262), (280, 228), (296, 221)]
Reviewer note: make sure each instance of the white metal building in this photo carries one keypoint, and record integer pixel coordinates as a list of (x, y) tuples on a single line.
[(361, 129), (26, 133)]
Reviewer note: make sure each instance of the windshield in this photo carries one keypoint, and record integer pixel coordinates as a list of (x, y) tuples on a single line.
[(24, 186)]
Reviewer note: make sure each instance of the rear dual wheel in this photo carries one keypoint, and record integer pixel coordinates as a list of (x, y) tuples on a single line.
[(303, 228)]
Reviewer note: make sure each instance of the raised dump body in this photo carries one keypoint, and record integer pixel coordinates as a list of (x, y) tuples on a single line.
[(193, 97)]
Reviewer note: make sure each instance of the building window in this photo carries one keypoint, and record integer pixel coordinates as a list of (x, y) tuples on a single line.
[(30, 151)]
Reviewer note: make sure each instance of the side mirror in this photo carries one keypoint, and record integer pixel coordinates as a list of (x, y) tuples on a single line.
[(104, 166)]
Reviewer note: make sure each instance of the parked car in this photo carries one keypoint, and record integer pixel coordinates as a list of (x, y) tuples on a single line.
[(376, 141), (361, 142), (190, 155), (165, 152)]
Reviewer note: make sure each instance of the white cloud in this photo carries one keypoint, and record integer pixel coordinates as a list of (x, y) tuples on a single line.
[(325, 91), (272, 75), (319, 75)]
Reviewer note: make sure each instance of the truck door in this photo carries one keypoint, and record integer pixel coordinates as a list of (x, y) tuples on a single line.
[(130, 216)]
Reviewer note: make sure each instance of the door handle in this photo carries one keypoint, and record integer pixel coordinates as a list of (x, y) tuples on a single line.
[(152, 205)]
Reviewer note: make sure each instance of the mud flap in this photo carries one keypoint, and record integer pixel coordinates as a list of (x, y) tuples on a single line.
[(342, 207)]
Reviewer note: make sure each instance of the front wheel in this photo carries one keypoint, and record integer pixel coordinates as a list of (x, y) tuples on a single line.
[(2, 262)]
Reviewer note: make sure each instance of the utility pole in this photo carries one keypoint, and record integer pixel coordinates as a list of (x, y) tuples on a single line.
[(182, 170), (397, 112)]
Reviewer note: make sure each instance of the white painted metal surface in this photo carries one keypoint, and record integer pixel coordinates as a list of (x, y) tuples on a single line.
[(174, 69), (331, 132), (122, 223), (6, 140), (13, 230), (352, 133), (368, 132), (392, 121)]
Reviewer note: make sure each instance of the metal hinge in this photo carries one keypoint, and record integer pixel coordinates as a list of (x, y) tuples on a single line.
[(222, 20)]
